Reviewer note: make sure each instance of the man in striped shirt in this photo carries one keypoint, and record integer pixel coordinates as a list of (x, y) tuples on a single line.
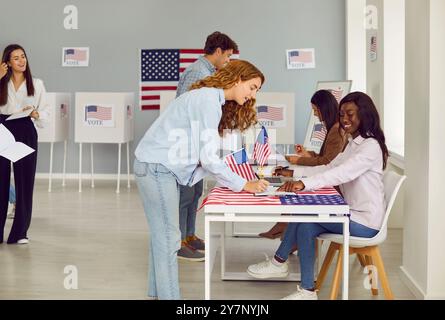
[(217, 51)]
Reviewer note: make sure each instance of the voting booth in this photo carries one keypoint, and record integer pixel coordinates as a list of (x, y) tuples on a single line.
[(104, 117), (56, 129)]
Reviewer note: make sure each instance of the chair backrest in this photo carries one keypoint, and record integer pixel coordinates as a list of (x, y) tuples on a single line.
[(392, 182)]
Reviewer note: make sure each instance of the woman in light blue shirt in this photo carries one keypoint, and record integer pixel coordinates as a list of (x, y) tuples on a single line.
[(180, 148)]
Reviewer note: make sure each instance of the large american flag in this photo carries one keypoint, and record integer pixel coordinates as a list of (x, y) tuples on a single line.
[(319, 132), (261, 149), (225, 196), (239, 163), (160, 70), (98, 112), (269, 113)]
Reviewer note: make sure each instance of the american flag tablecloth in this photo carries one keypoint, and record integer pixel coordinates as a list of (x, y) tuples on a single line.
[(224, 196)]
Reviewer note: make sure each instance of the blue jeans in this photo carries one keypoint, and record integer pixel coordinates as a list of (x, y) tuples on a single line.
[(11, 194), (160, 196), (305, 234), (188, 205)]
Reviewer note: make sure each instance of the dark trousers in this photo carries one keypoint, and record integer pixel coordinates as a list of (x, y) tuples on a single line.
[(24, 176)]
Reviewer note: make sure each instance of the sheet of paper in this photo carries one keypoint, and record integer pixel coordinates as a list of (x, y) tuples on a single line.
[(20, 115), (9, 148), (6, 138), (16, 151), (272, 191)]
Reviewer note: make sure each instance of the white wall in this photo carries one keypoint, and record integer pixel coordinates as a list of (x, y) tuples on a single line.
[(355, 44), (423, 254)]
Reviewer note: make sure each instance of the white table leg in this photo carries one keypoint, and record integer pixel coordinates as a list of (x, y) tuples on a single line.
[(128, 165), (119, 169), (223, 252), (92, 166), (345, 260), (51, 154), (80, 167), (207, 275), (64, 162)]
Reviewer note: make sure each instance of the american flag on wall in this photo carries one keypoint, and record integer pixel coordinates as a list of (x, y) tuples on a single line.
[(319, 132), (73, 54), (297, 56), (261, 149), (160, 70), (269, 113), (98, 113), (239, 163)]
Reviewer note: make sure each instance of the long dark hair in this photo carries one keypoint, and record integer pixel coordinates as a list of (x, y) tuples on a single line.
[(4, 81), (369, 120), (328, 106)]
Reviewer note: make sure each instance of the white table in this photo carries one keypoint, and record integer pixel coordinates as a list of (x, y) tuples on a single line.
[(273, 213)]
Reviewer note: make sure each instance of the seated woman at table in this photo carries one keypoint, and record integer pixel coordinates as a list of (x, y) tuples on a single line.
[(325, 108), (358, 171)]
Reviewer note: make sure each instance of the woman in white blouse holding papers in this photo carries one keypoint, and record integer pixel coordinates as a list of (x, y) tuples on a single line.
[(19, 92), (358, 171)]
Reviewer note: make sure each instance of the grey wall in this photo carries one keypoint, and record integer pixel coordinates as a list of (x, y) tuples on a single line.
[(115, 30)]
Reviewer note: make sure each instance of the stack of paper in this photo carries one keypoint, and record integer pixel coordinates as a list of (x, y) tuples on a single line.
[(272, 191), (9, 148)]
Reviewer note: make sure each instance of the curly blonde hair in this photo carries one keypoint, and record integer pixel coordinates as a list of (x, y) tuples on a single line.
[(234, 116)]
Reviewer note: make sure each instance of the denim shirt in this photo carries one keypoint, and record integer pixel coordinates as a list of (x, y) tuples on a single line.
[(198, 70), (185, 139)]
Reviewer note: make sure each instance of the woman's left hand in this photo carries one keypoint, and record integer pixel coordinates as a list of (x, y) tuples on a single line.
[(35, 115), (292, 186)]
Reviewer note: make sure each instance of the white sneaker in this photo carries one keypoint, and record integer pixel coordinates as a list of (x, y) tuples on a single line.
[(23, 241), (268, 269), (302, 294)]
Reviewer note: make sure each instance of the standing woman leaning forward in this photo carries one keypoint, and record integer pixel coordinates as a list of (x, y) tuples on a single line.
[(180, 148)]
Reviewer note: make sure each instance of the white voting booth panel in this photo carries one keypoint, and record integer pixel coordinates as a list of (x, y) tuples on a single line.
[(122, 128), (104, 117), (56, 128)]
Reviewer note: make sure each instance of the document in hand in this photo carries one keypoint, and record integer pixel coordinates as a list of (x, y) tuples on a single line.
[(11, 149), (20, 115), (272, 191)]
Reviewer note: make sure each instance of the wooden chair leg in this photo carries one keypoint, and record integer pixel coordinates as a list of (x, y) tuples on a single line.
[(337, 275), (361, 259), (374, 284), (333, 247), (377, 259)]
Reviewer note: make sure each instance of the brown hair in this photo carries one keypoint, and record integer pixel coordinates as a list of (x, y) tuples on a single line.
[(4, 81), (219, 40), (234, 116)]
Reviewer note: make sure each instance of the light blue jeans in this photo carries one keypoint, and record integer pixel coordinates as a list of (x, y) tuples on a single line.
[(188, 205), (160, 196), (305, 234), (11, 194)]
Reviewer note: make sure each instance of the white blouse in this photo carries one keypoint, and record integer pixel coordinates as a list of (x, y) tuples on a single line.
[(19, 99), (359, 174)]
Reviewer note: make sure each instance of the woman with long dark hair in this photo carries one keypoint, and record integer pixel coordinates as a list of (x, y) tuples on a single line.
[(325, 108), (180, 149), (19, 92), (358, 171)]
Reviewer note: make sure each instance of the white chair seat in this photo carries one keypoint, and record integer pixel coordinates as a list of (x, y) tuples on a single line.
[(355, 242)]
